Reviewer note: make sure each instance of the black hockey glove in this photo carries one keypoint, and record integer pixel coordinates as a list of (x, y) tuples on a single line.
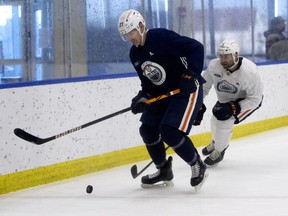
[(188, 83), (199, 116), (138, 102), (223, 111)]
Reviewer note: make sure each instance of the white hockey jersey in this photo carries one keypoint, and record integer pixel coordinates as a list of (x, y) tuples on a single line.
[(243, 83)]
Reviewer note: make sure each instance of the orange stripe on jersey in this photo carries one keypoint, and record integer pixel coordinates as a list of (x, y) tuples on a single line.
[(243, 114), (188, 112)]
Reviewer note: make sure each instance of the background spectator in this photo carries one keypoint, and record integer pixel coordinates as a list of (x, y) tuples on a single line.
[(277, 27), (279, 48)]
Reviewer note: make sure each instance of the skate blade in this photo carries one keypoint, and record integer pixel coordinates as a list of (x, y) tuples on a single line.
[(198, 187), (158, 185)]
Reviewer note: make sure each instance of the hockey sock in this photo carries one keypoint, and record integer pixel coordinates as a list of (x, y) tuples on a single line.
[(180, 142), (154, 144)]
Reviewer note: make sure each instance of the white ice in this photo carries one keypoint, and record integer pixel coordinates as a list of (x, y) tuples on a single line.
[(251, 181)]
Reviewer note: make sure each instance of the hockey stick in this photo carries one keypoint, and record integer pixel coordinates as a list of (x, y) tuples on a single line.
[(39, 141), (134, 169)]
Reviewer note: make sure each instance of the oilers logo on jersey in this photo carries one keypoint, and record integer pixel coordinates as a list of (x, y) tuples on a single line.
[(154, 72), (227, 87)]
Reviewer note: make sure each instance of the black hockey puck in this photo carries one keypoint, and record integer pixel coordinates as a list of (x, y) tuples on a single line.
[(89, 189)]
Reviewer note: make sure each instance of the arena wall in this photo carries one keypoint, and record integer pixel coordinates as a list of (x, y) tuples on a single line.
[(47, 110)]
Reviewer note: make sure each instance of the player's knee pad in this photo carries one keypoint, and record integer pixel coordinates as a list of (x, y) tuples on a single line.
[(172, 136), (149, 134)]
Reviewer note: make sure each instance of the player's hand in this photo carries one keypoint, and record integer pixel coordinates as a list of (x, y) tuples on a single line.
[(138, 103), (188, 83), (223, 111), (199, 116)]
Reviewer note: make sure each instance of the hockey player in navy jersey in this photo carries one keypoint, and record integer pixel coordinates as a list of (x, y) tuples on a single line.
[(166, 61), (239, 90)]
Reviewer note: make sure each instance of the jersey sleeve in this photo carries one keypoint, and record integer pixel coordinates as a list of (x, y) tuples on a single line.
[(182, 46), (254, 92), (207, 75)]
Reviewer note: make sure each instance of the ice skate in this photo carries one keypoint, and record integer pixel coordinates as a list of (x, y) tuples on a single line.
[(215, 157), (208, 149), (199, 174), (163, 177)]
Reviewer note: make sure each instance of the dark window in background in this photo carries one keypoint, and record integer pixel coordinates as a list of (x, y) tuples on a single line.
[(31, 37)]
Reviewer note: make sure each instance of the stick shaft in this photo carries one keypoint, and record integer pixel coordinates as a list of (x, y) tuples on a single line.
[(92, 122), (150, 101), (37, 140)]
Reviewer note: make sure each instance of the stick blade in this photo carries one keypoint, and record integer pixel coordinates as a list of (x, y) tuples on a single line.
[(26, 136), (134, 171)]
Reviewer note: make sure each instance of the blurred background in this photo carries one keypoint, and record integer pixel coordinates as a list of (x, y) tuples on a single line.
[(56, 39)]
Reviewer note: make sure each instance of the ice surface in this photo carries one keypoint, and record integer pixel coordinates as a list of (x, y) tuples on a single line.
[(251, 180)]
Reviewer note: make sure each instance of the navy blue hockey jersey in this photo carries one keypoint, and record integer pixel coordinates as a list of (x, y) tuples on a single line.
[(163, 58)]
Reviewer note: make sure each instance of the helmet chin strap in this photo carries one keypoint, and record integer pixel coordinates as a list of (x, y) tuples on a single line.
[(142, 36), (235, 63)]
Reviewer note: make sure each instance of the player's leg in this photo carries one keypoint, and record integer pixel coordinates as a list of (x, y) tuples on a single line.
[(150, 133), (221, 135), (210, 147), (184, 147), (154, 144), (176, 126), (156, 150)]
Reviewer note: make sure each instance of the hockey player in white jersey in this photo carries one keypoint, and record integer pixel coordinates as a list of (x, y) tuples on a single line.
[(239, 90)]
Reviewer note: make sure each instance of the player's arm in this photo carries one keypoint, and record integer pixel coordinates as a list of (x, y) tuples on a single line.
[(206, 88), (242, 107), (138, 101), (254, 93), (181, 46), (191, 53), (207, 75)]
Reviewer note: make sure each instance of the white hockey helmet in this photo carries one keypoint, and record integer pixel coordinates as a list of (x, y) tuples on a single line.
[(129, 20), (228, 47)]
